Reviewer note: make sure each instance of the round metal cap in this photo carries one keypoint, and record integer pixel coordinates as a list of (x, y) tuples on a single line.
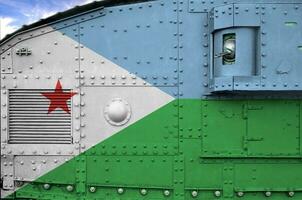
[(117, 112)]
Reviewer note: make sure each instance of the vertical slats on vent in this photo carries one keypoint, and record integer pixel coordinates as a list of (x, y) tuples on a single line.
[(30, 123)]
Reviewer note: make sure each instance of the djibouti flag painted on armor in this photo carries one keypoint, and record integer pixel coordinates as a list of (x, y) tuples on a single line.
[(159, 99)]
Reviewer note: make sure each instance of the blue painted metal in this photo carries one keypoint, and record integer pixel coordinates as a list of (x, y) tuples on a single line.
[(151, 40)]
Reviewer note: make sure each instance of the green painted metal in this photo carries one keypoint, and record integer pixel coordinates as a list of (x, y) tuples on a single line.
[(254, 128), (189, 149)]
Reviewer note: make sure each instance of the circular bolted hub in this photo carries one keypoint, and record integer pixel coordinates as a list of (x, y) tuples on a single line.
[(166, 192), (268, 194), (144, 191), (217, 193), (69, 188), (120, 190), (240, 194), (117, 112), (46, 186), (194, 193), (291, 193), (92, 189)]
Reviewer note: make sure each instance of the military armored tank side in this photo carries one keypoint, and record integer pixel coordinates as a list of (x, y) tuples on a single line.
[(163, 99)]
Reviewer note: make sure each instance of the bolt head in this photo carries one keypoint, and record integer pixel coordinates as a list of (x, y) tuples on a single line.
[(194, 193), (69, 188), (217, 193), (268, 194), (46, 186), (166, 192), (120, 190), (92, 189), (240, 194), (144, 191), (291, 193)]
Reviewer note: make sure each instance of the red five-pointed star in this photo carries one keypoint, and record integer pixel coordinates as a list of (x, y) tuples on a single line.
[(58, 98)]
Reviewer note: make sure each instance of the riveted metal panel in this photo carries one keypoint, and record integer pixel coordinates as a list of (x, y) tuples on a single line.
[(223, 119), (160, 147), (262, 177), (194, 54), (6, 62), (273, 136), (266, 20), (222, 17), (7, 172), (255, 128), (190, 115), (97, 70), (115, 170), (138, 38), (41, 70), (198, 6), (45, 28), (96, 128), (5, 46), (244, 82), (222, 83), (205, 176), (280, 56), (29, 168), (247, 14), (48, 57)]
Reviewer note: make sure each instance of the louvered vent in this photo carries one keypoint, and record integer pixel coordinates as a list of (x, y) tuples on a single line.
[(30, 123)]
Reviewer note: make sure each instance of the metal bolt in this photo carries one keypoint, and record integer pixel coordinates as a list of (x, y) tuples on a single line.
[(217, 193), (46, 186), (268, 194), (92, 189), (120, 190), (240, 194), (69, 188), (144, 191), (194, 193), (291, 193), (166, 192)]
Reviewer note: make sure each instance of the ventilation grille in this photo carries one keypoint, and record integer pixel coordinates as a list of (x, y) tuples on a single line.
[(30, 123)]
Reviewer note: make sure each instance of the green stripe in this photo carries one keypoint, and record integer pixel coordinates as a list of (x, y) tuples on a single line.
[(185, 146)]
